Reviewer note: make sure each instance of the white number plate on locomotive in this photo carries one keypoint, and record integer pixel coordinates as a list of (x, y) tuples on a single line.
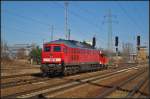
[(51, 59)]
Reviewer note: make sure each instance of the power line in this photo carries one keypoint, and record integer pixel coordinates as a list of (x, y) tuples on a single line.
[(46, 24), (86, 11), (64, 8), (25, 17), (28, 18), (66, 19), (34, 20), (20, 30), (129, 17), (109, 21), (52, 30), (20, 22), (87, 21), (81, 17)]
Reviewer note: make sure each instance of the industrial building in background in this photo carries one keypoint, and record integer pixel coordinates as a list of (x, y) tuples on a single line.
[(142, 54)]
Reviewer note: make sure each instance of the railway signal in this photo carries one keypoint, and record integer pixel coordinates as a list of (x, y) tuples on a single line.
[(138, 42), (116, 44), (94, 42), (116, 41)]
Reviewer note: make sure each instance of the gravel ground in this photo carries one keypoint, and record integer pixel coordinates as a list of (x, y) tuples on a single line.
[(91, 90), (28, 87), (87, 91), (16, 79), (128, 86), (24, 88), (19, 71), (18, 67)]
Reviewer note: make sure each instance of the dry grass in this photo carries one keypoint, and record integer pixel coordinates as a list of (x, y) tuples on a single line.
[(15, 63), (15, 67)]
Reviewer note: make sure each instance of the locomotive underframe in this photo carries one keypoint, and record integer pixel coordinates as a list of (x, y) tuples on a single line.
[(67, 69)]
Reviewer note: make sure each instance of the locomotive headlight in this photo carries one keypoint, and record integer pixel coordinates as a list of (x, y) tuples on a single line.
[(58, 59), (46, 59), (52, 59)]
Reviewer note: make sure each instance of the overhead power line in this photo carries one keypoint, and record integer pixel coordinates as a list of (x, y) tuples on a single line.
[(86, 11), (81, 17), (110, 35), (52, 30), (33, 20), (129, 17), (20, 30), (29, 18), (66, 19)]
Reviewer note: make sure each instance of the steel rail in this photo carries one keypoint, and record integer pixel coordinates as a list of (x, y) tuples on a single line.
[(18, 75), (136, 88), (105, 93), (69, 85), (33, 90), (22, 82)]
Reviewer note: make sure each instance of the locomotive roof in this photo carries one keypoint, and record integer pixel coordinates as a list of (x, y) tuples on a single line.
[(72, 43)]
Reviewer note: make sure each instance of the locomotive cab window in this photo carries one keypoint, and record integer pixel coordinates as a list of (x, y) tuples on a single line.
[(47, 49), (57, 48)]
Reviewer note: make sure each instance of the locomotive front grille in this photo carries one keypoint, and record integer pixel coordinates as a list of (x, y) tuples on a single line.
[(50, 67)]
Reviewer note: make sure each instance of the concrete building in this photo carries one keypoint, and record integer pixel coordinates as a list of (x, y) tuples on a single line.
[(142, 54), (13, 50)]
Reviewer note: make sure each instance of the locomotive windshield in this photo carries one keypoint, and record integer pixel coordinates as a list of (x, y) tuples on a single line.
[(57, 48), (47, 49)]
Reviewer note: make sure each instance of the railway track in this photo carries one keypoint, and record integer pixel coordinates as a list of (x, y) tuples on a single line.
[(23, 82), (62, 86), (15, 82), (19, 82), (85, 83), (53, 88), (19, 68), (130, 93), (18, 75), (136, 88), (31, 74), (143, 90)]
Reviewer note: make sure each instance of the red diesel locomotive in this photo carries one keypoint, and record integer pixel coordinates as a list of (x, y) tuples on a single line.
[(69, 57)]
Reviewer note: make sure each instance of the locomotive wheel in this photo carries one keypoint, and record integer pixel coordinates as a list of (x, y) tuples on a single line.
[(106, 66), (65, 71), (44, 74)]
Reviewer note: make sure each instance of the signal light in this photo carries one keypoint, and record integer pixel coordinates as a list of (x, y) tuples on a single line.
[(116, 41), (138, 40), (94, 42)]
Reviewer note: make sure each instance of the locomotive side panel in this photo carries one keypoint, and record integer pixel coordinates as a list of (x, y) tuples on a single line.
[(69, 59)]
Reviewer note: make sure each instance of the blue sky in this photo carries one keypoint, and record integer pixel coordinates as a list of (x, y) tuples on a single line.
[(30, 22)]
